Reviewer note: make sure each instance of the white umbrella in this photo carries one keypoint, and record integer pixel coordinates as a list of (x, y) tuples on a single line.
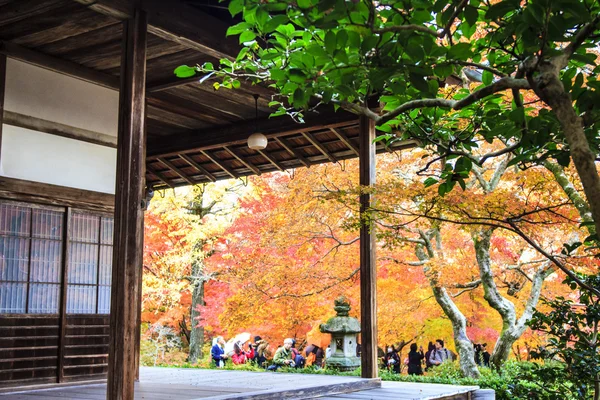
[(241, 339)]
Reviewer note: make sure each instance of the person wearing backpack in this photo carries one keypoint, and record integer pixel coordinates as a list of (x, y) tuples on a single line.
[(440, 354)]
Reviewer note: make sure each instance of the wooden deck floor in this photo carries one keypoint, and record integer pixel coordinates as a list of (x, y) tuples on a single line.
[(189, 384)]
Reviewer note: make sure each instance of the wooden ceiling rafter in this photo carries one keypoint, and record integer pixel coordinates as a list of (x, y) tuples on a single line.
[(199, 167), (176, 22), (271, 160), (319, 146), (176, 170), (285, 144), (345, 140), (195, 134), (241, 159), (218, 162), (58, 65), (286, 164), (160, 176)]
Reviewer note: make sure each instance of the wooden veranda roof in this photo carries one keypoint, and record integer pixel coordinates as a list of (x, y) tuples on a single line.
[(195, 134)]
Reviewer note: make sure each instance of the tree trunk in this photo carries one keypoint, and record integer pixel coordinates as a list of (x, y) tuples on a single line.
[(464, 346), (548, 86), (196, 330), (572, 193), (512, 328)]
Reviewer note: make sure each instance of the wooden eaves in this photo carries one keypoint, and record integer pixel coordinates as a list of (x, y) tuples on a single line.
[(195, 134)]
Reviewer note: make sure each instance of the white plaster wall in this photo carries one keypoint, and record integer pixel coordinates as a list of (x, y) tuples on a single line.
[(45, 94), (41, 157)]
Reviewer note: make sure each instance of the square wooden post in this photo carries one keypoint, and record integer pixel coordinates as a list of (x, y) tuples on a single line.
[(128, 234), (368, 270)]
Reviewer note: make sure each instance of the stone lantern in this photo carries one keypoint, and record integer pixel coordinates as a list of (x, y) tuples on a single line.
[(343, 330)]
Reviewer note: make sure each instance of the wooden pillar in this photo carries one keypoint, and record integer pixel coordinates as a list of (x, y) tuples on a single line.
[(2, 90), (368, 270), (128, 235)]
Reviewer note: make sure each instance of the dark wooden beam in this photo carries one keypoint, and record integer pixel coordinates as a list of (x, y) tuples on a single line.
[(58, 65), (174, 104), (368, 267), (271, 160), (62, 311), (286, 145), (177, 22), (128, 232), (174, 82), (2, 92), (248, 164), (237, 133), (22, 9), (345, 140), (319, 146), (160, 176), (177, 171), (170, 83), (37, 192), (199, 167), (58, 129), (224, 167)]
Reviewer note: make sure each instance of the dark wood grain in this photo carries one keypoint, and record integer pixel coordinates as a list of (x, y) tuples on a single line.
[(368, 265), (128, 235), (57, 65), (45, 193), (62, 320), (2, 92), (58, 129)]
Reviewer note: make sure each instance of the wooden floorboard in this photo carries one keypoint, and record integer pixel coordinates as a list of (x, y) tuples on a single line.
[(189, 384)]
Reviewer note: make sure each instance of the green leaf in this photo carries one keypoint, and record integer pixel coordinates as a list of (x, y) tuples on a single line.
[(460, 51), (247, 36), (430, 182), (299, 99), (419, 82), (471, 15), (183, 71), (238, 28), (235, 7), (303, 4), (208, 66), (501, 8), (487, 78), (236, 84), (330, 42), (274, 22)]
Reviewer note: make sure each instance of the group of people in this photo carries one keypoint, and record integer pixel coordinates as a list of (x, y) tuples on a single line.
[(287, 355), (258, 353), (436, 354)]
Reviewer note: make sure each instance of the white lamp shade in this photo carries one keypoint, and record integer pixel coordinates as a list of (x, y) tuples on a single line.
[(257, 141)]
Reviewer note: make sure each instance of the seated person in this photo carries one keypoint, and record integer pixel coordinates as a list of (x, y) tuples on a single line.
[(284, 356)]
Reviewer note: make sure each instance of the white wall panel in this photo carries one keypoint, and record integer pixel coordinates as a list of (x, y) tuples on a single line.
[(40, 157), (45, 94)]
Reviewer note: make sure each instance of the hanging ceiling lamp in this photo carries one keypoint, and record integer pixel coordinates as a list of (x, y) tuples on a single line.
[(257, 141)]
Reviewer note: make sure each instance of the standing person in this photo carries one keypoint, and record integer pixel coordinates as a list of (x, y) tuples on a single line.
[(391, 360), (414, 360), (485, 355), (440, 354), (218, 353), (430, 349), (283, 355), (478, 356)]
